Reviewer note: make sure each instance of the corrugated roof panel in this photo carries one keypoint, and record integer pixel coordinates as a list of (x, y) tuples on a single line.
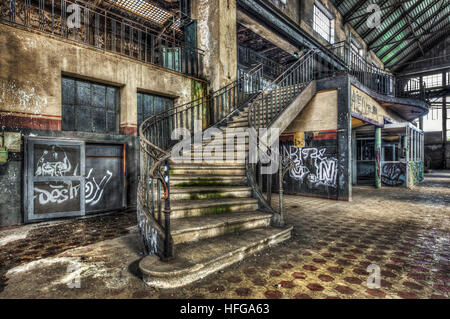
[(396, 36)]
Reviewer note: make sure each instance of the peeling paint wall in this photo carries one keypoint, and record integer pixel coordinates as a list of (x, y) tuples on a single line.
[(32, 64), (216, 35), (31, 67)]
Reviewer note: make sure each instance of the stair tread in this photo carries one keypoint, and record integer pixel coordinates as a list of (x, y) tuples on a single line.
[(207, 165), (187, 224), (175, 189), (201, 176), (201, 203), (193, 255)]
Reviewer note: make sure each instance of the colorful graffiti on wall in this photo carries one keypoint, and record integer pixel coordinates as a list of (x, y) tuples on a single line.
[(415, 173), (393, 174)]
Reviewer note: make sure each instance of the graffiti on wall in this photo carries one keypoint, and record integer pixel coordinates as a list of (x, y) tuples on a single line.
[(55, 162), (148, 232), (312, 166), (393, 174), (415, 173)]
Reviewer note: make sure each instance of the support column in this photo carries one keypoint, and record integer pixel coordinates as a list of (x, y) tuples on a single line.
[(216, 35), (378, 157)]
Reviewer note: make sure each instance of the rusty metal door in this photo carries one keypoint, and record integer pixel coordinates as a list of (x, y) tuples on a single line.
[(54, 178)]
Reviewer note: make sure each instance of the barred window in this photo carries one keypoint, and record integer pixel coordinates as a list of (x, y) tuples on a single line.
[(89, 106), (323, 25)]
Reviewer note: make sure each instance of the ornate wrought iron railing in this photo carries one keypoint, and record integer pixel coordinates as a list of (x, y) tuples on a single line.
[(85, 23), (155, 140)]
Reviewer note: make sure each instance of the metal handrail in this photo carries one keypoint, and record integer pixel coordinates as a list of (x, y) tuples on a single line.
[(291, 77)]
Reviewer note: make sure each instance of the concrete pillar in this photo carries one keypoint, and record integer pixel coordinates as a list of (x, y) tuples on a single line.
[(378, 157), (216, 35)]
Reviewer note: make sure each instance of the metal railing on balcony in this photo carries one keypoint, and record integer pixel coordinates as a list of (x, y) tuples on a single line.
[(96, 27), (370, 75)]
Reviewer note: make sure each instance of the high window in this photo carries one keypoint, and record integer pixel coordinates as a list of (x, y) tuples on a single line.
[(150, 104), (432, 80), (89, 106), (323, 23)]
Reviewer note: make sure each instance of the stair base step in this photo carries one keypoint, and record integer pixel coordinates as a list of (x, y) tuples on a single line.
[(197, 260), (198, 228)]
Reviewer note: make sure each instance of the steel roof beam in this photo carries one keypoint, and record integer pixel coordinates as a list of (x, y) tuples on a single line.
[(405, 26), (411, 27), (401, 17), (353, 9), (400, 62), (406, 38), (409, 34)]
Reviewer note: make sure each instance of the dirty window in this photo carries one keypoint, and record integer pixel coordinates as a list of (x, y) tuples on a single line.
[(149, 104), (89, 107)]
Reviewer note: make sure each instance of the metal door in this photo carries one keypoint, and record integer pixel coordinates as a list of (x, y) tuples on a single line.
[(54, 178)]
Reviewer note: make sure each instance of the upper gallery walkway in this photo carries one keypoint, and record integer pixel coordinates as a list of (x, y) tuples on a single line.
[(143, 31)]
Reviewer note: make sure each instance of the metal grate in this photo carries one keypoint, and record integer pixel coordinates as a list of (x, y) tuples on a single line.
[(144, 9)]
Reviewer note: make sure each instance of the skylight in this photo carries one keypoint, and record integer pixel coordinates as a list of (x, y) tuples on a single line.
[(144, 9)]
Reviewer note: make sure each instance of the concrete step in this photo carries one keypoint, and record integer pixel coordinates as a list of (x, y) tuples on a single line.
[(207, 180), (211, 207), (191, 229), (213, 160), (209, 192), (207, 169), (196, 260)]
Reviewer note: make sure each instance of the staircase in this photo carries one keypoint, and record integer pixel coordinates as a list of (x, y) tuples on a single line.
[(215, 214), (215, 220)]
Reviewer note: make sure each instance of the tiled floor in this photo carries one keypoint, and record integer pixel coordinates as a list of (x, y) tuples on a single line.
[(405, 232)]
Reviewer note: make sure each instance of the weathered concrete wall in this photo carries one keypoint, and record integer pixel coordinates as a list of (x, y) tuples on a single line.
[(31, 67), (216, 35), (319, 114), (32, 64), (316, 170), (323, 155)]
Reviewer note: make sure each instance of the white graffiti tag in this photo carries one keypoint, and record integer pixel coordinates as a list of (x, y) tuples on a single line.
[(311, 165), (55, 162), (94, 190)]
